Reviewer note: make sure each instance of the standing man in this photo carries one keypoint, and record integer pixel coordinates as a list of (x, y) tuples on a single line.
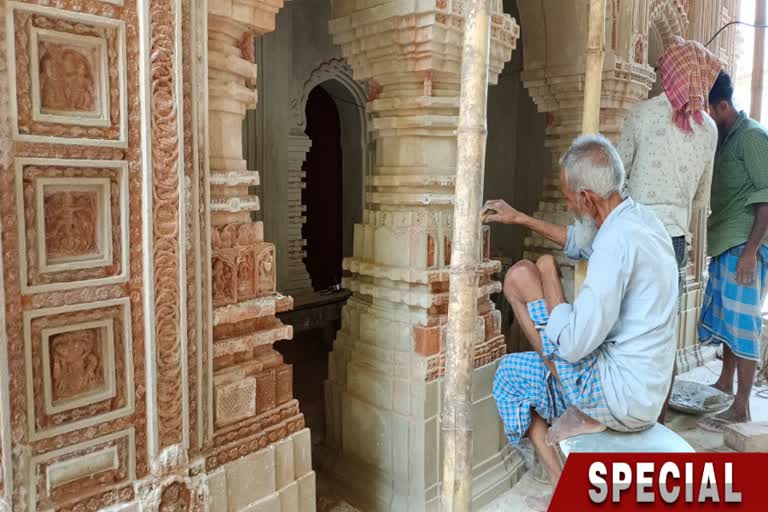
[(733, 301), (668, 146)]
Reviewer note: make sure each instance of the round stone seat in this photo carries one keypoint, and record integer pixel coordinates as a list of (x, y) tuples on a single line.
[(657, 439)]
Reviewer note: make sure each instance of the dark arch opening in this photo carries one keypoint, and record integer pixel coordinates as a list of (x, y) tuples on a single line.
[(324, 192)]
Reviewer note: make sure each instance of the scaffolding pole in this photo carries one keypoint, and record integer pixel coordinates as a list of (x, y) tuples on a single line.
[(593, 81), (758, 69), (465, 259)]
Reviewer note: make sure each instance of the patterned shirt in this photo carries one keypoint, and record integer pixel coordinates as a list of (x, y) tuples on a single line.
[(740, 181), (667, 170)]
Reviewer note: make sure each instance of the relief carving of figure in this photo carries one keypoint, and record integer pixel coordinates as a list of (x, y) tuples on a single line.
[(76, 363), (266, 273), (639, 50), (222, 282), (245, 276), (66, 80), (70, 223)]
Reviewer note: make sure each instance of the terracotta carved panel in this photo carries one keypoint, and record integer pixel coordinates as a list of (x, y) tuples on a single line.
[(77, 66), (73, 223), (66, 476), (235, 401), (79, 366), (55, 47), (77, 363), (243, 265)]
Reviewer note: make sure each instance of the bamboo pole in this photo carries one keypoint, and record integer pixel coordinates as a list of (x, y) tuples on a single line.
[(758, 69), (593, 81), (465, 259)]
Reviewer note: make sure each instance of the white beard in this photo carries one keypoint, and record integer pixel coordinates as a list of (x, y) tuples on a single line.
[(584, 231)]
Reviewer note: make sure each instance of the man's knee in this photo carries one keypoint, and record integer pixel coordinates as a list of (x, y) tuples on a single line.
[(547, 265), (520, 277)]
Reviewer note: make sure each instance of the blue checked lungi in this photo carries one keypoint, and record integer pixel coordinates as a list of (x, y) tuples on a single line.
[(732, 313), (523, 382)]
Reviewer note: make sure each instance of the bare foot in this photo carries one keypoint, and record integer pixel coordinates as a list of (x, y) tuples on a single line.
[(723, 388), (538, 503), (718, 422), (572, 423)]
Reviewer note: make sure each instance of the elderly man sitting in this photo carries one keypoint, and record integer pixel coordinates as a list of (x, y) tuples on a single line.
[(603, 361)]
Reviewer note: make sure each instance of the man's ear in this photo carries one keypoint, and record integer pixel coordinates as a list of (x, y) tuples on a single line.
[(588, 201)]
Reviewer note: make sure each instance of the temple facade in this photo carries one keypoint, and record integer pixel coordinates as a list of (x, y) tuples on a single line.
[(226, 225)]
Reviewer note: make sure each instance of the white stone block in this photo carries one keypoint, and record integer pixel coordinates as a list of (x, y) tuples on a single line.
[(431, 450), (284, 463), (217, 490), (270, 503), (432, 399), (402, 397), (482, 381), (747, 437), (371, 386), (366, 432), (250, 479), (289, 497), (485, 420), (307, 497), (302, 453)]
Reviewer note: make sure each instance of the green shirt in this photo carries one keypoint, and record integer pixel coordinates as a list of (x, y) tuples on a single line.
[(739, 181)]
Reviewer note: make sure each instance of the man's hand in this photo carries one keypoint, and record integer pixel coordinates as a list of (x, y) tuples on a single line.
[(497, 210), (746, 268)]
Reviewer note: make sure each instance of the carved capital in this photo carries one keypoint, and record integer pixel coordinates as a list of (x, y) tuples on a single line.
[(428, 40)]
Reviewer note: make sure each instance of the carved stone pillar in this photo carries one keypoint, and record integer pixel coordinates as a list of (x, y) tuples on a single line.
[(385, 372), (555, 82), (254, 413)]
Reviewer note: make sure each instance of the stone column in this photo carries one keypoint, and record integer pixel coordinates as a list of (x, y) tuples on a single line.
[(555, 82), (385, 372), (254, 413)]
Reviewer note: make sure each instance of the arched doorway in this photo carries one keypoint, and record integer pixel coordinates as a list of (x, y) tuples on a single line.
[(329, 167), (324, 193)]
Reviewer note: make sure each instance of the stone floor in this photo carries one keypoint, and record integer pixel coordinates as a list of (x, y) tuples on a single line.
[(514, 500)]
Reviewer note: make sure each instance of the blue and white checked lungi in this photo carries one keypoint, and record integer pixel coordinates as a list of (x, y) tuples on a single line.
[(523, 382), (732, 313)]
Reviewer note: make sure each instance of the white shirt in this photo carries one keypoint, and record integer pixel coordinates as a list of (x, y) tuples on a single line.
[(668, 170), (626, 311)]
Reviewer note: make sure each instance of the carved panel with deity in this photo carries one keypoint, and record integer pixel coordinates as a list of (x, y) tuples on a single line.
[(53, 47)]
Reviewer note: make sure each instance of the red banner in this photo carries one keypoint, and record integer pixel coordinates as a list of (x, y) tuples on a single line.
[(663, 481)]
